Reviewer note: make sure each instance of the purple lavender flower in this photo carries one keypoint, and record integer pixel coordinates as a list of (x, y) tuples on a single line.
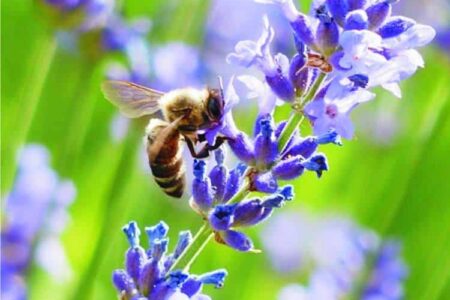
[(35, 207), (211, 197), (435, 13), (268, 164), (227, 25), (275, 68), (146, 274), (347, 39), (261, 92), (332, 111), (216, 188), (225, 219), (356, 251)]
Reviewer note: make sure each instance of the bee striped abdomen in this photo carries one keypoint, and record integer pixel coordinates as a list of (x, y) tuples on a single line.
[(166, 161)]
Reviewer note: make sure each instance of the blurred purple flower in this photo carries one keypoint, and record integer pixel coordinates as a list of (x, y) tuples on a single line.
[(35, 207), (176, 65), (94, 12), (334, 274), (118, 127)]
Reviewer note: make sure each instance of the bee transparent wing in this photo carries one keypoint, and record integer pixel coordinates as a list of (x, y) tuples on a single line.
[(133, 100)]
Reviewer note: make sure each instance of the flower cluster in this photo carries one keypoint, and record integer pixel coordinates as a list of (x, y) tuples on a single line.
[(268, 164), (96, 28), (356, 45), (359, 263), (213, 199), (35, 215), (343, 49), (148, 274)]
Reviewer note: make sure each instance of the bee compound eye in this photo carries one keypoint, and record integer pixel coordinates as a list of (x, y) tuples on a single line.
[(214, 108)]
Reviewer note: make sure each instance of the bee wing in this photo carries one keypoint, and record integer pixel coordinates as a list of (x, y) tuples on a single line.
[(155, 147), (133, 100)]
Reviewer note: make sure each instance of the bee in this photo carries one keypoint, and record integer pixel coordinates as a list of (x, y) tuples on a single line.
[(319, 61), (186, 113)]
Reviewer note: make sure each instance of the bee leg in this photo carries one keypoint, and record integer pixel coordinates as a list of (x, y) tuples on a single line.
[(203, 153), (219, 141), (201, 137)]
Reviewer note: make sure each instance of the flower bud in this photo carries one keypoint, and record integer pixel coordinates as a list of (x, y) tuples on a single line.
[(248, 213), (215, 278), (327, 33), (242, 148), (156, 233), (289, 168), (236, 240), (299, 75), (356, 4), (266, 148), (201, 187), (378, 13), (303, 30), (219, 176), (338, 10), (233, 182), (317, 163), (395, 27), (184, 239), (151, 272), (222, 217), (356, 20), (265, 182), (305, 148), (123, 282), (134, 261), (281, 86)]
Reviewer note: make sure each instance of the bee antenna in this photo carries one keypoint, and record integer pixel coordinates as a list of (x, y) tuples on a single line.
[(221, 86)]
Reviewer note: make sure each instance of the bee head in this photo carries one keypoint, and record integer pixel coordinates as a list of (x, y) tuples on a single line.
[(214, 105)]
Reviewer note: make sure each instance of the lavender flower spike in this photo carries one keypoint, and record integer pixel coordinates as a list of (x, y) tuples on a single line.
[(360, 263), (35, 214), (151, 279), (249, 53)]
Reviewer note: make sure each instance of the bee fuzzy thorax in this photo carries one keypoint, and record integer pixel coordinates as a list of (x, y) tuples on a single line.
[(189, 102)]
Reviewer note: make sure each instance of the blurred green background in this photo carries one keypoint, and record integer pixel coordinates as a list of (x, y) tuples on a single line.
[(399, 188)]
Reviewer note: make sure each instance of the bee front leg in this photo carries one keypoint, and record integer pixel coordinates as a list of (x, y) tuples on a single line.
[(219, 141), (203, 153)]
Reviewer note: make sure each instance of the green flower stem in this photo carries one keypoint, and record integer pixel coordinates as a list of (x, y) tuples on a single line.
[(82, 107), (200, 240), (241, 194), (297, 116), (27, 103), (114, 205), (203, 236)]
